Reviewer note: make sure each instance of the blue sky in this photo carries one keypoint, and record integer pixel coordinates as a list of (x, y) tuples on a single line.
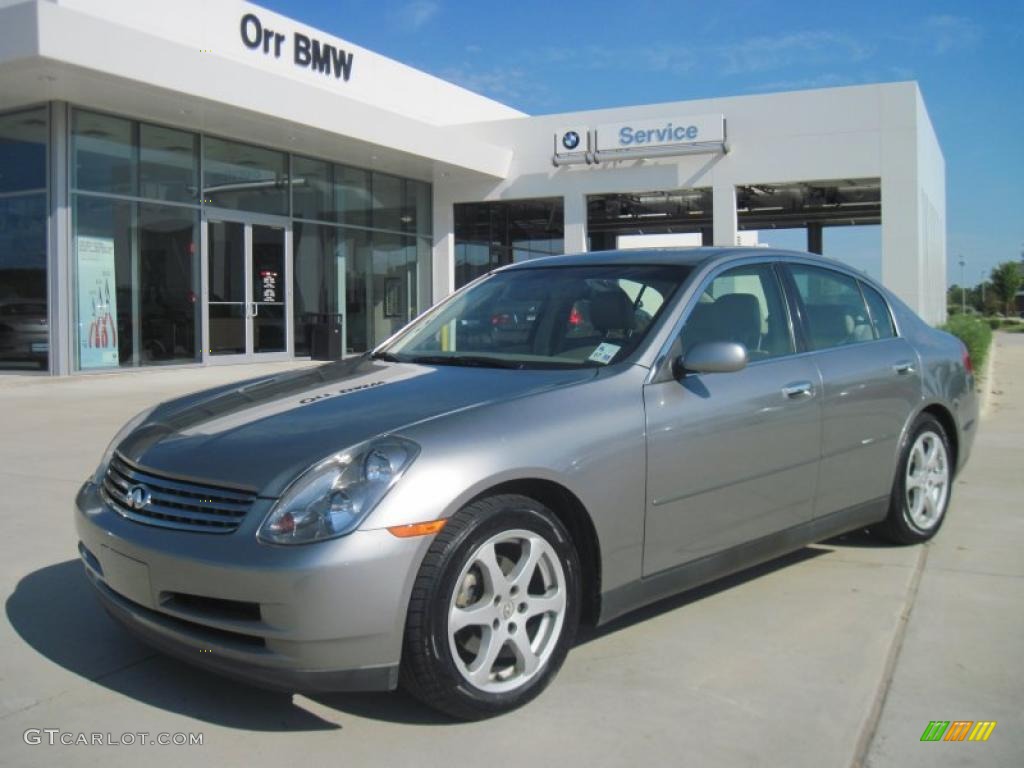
[(544, 57)]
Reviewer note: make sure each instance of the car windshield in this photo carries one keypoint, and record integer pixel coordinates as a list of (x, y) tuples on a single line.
[(550, 317)]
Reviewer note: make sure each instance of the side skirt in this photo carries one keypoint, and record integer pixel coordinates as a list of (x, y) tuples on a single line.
[(648, 590)]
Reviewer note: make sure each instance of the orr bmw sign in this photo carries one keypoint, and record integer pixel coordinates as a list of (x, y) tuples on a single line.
[(640, 139), (306, 51)]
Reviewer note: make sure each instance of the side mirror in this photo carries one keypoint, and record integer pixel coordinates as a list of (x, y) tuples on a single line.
[(711, 357)]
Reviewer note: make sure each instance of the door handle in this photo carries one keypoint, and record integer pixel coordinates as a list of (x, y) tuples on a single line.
[(903, 367), (798, 389), (255, 309)]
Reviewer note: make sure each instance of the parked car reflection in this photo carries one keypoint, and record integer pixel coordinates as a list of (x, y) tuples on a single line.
[(24, 332)]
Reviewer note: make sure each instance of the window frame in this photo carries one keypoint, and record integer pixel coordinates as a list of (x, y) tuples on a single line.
[(798, 303)]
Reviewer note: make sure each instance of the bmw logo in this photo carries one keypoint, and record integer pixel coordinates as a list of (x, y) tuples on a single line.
[(571, 140), (138, 497)]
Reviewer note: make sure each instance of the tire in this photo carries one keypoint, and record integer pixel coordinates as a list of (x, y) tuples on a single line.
[(916, 512), (528, 629)]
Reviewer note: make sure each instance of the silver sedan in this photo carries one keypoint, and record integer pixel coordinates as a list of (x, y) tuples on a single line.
[(561, 441)]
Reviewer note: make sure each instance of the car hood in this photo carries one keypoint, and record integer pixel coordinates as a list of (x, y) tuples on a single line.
[(262, 433)]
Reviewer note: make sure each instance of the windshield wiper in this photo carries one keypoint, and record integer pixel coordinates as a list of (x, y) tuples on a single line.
[(387, 357), (476, 361)]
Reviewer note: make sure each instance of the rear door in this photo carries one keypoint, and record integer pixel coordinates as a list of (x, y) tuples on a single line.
[(870, 378), (731, 457)]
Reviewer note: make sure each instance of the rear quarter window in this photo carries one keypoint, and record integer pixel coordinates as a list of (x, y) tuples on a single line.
[(881, 316)]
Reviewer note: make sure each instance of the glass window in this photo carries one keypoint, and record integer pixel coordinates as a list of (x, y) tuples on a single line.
[(319, 272), (394, 283), (387, 202), (383, 284), (24, 318), (24, 325), (425, 265), (352, 196), (168, 302), (312, 189), (225, 283), (23, 142), (834, 309), (567, 317), (103, 273), (104, 155), (881, 319), (417, 211), (244, 177), (742, 305), (354, 245), (490, 235), (168, 164)]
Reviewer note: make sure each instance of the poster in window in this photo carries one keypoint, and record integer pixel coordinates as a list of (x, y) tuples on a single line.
[(97, 303)]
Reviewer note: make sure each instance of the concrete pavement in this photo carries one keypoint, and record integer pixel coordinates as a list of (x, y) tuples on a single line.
[(786, 664), (961, 655)]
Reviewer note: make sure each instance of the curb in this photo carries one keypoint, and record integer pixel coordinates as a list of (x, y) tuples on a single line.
[(869, 727), (987, 382)]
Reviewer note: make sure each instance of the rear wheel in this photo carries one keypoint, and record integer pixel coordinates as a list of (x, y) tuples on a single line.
[(924, 481), (494, 609)]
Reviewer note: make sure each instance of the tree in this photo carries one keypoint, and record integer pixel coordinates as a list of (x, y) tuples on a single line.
[(1006, 281)]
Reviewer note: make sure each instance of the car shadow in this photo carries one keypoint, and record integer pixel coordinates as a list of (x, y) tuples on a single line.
[(861, 539), (665, 605), (55, 612)]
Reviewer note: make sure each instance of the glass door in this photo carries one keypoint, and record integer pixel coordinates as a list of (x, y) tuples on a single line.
[(268, 317), (247, 314)]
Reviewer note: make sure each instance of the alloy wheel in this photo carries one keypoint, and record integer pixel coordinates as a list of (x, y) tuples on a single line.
[(507, 611), (927, 481)]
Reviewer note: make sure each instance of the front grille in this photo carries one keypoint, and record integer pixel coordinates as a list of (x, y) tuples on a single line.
[(173, 503)]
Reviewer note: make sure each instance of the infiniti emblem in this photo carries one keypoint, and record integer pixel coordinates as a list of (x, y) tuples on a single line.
[(138, 497)]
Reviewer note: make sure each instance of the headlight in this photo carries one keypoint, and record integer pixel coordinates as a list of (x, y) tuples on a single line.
[(336, 495), (127, 429)]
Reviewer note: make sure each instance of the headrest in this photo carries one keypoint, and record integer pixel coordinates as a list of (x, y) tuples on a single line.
[(830, 324), (611, 310), (739, 316)]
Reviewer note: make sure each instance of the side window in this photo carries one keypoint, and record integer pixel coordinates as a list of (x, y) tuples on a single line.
[(742, 305), (881, 318), (833, 307)]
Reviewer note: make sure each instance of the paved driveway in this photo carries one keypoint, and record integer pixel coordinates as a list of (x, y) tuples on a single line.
[(786, 664)]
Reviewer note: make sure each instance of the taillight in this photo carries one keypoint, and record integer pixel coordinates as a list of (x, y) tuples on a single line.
[(968, 365), (501, 319)]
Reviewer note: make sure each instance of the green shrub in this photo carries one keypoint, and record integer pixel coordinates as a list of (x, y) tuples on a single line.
[(975, 333), (995, 323)]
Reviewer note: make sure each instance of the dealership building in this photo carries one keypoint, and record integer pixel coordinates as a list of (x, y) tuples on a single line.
[(210, 182)]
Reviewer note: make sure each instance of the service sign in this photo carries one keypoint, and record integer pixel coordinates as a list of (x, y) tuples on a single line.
[(664, 132)]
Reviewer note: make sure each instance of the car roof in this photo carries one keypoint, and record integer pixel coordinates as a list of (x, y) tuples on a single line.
[(692, 257)]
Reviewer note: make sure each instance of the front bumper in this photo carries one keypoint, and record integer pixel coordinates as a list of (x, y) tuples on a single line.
[(327, 616)]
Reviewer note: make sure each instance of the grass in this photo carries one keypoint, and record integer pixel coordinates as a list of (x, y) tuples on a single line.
[(975, 333)]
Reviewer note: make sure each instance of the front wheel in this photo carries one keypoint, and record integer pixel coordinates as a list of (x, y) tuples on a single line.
[(494, 609), (923, 484)]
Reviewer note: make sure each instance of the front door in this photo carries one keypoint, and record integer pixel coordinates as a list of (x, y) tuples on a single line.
[(732, 457), (248, 314)]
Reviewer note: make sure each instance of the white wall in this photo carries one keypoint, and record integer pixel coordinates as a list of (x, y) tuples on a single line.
[(184, 63), (214, 26), (872, 131)]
